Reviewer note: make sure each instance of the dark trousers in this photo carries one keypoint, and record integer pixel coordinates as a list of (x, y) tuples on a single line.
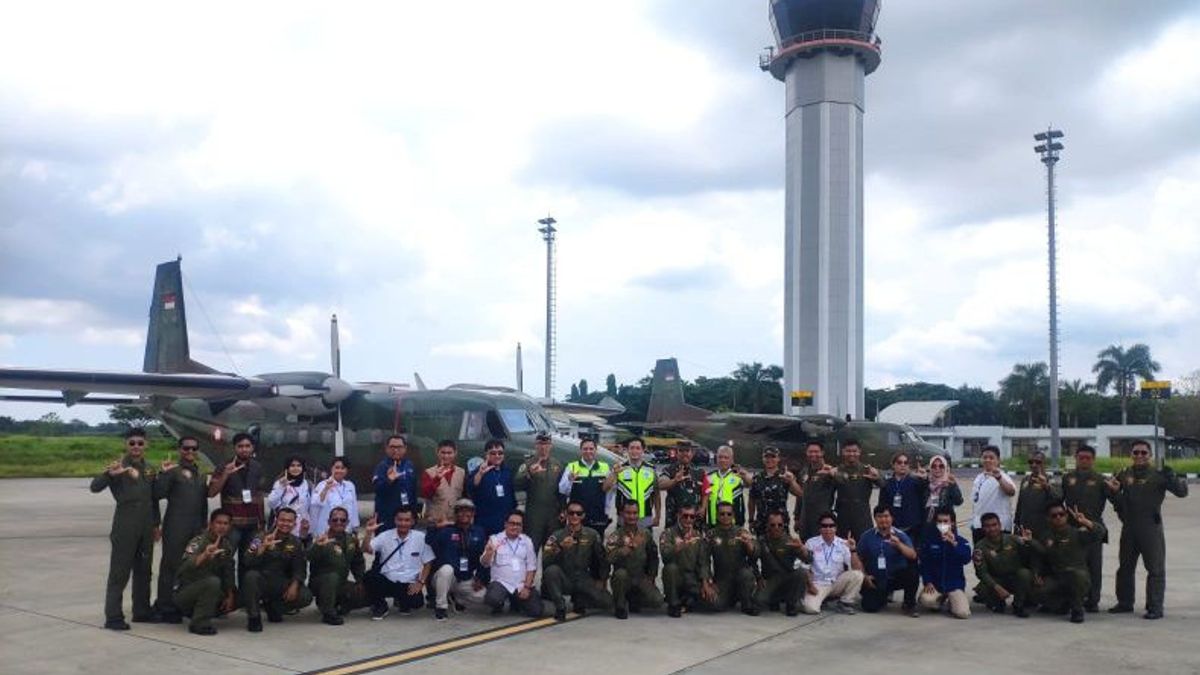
[(497, 595), (132, 549), (380, 588), (874, 599), (1095, 566), (260, 587), (1147, 542), (239, 539)]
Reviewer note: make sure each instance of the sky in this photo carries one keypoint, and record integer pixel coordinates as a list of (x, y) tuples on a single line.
[(388, 162)]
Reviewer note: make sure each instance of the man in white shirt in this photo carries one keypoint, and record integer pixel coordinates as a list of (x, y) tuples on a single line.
[(991, 493), (836, 569), (401, 567), (512, 559)]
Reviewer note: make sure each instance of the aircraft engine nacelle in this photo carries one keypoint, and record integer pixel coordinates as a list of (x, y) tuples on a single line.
[(309, 394)]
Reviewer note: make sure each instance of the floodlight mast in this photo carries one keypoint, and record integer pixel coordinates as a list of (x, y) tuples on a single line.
[(548, 230), (1048, 149)]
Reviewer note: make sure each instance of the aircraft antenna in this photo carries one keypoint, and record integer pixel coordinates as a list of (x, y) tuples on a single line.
[(208, 319), (548, 230)]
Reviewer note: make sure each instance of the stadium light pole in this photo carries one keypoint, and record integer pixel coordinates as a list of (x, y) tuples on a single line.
[(548, 231), (1048, 148)]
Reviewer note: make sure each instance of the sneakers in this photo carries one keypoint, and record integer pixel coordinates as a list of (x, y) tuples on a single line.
[(254, 624), (439, 614), (378, 612), (116, 624)]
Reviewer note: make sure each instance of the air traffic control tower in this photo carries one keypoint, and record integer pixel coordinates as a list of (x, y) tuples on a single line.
[(823, 51)]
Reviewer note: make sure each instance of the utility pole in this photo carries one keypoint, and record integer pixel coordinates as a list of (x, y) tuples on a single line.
[(1048, 149), (548, 230)]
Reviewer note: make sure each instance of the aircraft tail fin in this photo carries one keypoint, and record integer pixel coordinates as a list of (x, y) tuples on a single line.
[(666, 396), (167, 337)]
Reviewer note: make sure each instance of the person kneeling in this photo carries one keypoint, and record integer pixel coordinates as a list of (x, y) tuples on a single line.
[(206, 575), (890, 564), (275, 571), (942, 560), (836, 569), (401, 567), (512, 559), (573, 563), (458, 571)]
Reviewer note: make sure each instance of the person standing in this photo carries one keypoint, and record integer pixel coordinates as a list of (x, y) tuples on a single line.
[(1139, 492), (1001, 569), (402, 565), (293, 491), (683, 483), (943, 490), (334, 556), (584, 481), (991, 492), (240, 485), (734, 551), (636, 482), (942, 559), (784, 580), (538, 477), (854, 484), (574, 563), (1034, 495), (134, 524), (726, 485), (837, 571), (512, 561), (275, 571), (491, 488), (442, 487), (769, 492), (395, 482), (687, 566), (457, 570), (905, 495), (185, 487), (337, 491), (1063, 548), (818, 491), (1087, 491), (889, 562), (206, 583), (631, 552)]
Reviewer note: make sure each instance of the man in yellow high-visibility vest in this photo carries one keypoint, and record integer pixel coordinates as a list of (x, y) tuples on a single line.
[(726, 485), (636, 483)]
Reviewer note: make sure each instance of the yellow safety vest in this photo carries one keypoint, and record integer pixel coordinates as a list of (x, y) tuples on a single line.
[(722, 490), (636, 485)]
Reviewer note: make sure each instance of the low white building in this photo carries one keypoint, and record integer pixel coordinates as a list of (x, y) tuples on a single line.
[(928, 418)]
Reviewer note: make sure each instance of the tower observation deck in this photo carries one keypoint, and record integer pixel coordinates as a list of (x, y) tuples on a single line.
[(823, 51)]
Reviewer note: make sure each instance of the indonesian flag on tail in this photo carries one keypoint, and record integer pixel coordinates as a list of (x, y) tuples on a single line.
[(168, 300)]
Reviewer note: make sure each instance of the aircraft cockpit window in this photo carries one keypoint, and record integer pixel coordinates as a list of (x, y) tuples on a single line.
[(472, 427), (517, 420), (893, 439)]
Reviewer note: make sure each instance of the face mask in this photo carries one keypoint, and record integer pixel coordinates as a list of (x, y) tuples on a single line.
[(943, 527)]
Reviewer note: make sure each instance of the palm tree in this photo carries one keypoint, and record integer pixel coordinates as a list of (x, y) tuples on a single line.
[(1073, 396), (1025, 387), (752, 376), (1120, 368)]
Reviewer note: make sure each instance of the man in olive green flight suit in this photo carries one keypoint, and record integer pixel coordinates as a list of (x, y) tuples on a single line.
[(854, 483), (733, 550), (687, 565), (275, 569), (133, 531), (1139, 506), (1034, 496), (334, 556), (1001, 569), (783, 579), (1063, 550), (573, 563), (185, 487), (205, 577), (538, 477), (816, 478), (633, 555), (1086, 490)]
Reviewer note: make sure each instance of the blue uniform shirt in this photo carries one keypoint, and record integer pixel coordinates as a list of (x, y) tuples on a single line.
[(942, 564), (494, 498), (461, 550), (391, 495), (869, 548), (906, 497)]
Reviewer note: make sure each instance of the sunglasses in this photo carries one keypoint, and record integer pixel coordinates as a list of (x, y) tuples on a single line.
[(900, 461), (188, 448), (724, 514), (135, 444), (574, 513), (687, 516), (1141, 452), (826, 526), (339, 520), (495, 452)]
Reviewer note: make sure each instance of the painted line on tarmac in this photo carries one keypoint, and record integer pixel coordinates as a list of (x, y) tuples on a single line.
[(438, 648), (814, 620)]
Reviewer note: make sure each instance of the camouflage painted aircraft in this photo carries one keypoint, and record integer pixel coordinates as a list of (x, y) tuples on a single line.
[(749, 433), (313, 414)]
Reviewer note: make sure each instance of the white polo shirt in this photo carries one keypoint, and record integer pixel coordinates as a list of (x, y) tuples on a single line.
[(829, 559), (513, 560), (987, 497), (404, 565)]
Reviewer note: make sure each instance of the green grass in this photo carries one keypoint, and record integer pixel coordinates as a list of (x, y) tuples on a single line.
[(68, 456), (1107, 464)]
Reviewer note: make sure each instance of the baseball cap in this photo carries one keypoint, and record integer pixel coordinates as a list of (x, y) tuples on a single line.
[(542, 436), (770, 451), (464, 503)]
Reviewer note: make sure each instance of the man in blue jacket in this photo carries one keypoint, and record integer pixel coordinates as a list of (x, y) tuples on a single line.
[(943, 556), (457, 570), (491, 488), (905, 494), (395, 483), (889, 563)]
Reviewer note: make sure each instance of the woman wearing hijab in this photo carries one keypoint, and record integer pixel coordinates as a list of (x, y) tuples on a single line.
[(331, 493), (943, 491), (292, 490)]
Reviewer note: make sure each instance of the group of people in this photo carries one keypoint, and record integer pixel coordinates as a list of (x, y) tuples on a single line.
[(445, 538)]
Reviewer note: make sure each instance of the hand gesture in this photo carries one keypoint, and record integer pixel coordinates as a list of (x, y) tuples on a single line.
[(269, 541), (372, 523), (567, 541), (167, 464), (322, 540), (392, 473), (114, 468), (304, 528), (920, 471), (949, 537), (850, 543), (212, 550), (893, 539), (538, 467), (788, 477), (486, 468), (826, 470), (283, 479), (233, 467), (709, 591), (1026, 535), (798, 544), (1080, 519), (326, 487), (1113, 484), (996, 473), (523, 593), (872, 473)]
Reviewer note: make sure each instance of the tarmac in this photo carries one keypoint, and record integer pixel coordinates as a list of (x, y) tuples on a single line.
[(54, 559)]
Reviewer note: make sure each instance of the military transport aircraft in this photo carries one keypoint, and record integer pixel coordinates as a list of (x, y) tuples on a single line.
[(313, 414), (750, 433)]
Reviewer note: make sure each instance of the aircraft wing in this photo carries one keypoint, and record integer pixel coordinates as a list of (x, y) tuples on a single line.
[(752, 424), (607, 408), (74, 384)]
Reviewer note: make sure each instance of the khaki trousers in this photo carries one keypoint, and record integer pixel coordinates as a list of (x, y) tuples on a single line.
[(956, 601), (845, 588)]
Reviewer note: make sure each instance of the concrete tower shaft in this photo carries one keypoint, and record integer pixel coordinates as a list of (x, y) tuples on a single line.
[(823, 53)]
